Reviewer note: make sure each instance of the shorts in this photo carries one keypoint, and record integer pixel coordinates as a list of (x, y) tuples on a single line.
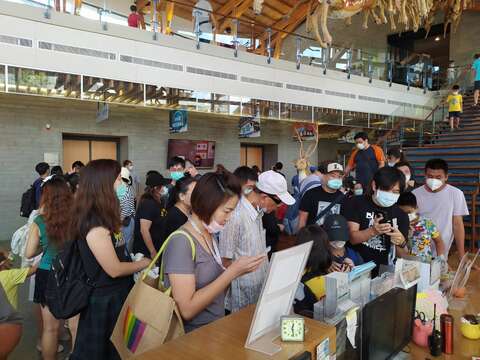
[(454, 114), (41, 279), (476, 85)]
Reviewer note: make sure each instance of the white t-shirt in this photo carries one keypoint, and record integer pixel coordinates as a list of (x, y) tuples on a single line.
[(202, 8), (440, 207)]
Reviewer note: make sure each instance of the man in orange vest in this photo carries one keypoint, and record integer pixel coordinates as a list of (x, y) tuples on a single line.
[(366, 159)]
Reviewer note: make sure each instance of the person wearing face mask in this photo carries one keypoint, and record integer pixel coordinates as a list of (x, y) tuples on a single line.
[(366, 159), (424, 237), (128, 164), (150, 215), (326, 199), (176, 166), (199, 284), (394, 156), (444, 204), (375, 221), (344, 257), (179, 208), (407, 170), (126, 197), (244, 234)]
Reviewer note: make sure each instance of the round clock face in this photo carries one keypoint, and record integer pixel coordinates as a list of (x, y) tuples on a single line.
[(292, 329)]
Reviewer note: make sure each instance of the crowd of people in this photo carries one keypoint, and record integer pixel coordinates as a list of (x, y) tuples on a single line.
[(370, 211)]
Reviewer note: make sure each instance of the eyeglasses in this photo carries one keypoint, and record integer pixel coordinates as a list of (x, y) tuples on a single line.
[(275, 199)]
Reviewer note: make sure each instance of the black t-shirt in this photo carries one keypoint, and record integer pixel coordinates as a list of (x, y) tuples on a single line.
[(173, 221), (362, 210), (366, 166), (272, 231), (316, 200), (152, 210)]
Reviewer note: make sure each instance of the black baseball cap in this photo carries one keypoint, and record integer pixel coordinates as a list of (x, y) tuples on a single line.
[(156, 179), (336, 228)]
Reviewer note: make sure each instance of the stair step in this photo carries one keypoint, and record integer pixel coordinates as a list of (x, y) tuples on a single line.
[(451, 160), (427, 153), (455, 141), (435, 146), (459, 133)]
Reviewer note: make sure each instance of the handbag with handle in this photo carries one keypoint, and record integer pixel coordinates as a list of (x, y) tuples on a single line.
[(149, 316)]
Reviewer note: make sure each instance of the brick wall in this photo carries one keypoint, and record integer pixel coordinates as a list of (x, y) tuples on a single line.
[(24, 139)]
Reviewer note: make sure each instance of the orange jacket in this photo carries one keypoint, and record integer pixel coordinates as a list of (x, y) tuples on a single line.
[(379, 155)]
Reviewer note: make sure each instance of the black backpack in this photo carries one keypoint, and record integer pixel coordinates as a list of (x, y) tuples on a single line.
[(68, 287), (28, 202)]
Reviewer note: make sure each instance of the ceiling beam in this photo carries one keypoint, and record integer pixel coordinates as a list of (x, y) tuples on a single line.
[(237, 12)]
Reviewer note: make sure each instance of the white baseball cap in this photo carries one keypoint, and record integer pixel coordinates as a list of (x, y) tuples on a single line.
[(273, 183), (334, 167)]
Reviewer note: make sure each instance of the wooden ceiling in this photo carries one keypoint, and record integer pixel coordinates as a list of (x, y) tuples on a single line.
[(252, 25)]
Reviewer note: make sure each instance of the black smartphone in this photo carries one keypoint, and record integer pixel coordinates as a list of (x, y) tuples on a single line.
[(385, 217)]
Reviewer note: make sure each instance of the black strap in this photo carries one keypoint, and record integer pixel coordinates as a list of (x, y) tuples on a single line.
[(325, 211)]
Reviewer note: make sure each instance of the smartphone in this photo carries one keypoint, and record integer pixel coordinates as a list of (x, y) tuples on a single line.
[(386, 219)]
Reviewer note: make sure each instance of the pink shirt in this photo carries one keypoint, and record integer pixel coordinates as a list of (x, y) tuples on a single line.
[(133, 20)]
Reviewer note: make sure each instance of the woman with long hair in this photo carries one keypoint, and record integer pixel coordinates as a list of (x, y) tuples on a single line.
[(199, 285), (48, 233), (96, 226)]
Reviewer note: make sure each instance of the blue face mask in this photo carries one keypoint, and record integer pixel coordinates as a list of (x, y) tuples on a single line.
[(358, 192), (177, 175), (121, 191), (335, 184), (386, 198)]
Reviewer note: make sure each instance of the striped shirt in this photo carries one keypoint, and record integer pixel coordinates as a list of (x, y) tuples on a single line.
[(244, 236), (127, 203)]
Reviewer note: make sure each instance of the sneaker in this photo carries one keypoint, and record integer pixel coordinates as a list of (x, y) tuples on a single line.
[(60, 348)]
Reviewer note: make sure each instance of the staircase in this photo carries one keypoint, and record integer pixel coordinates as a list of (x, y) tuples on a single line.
[(461, 149)]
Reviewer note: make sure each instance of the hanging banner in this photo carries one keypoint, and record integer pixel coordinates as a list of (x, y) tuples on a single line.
[(249, 127), (305, 130), (178, 121), (103, 111)]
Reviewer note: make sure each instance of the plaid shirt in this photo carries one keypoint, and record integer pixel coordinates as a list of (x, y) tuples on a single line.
[(244, 236)]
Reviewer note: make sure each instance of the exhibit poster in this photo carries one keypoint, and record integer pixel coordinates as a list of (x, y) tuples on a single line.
[(200, 152), (305, 130), (249, 127), (178, 121)]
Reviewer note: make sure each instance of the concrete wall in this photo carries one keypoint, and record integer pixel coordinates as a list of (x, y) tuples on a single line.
[(24, 140), (464, 43)]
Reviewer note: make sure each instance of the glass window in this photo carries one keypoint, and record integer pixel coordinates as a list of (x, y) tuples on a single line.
[(379, 121), (172, 98), (235, 106), (2, 78), (46, 83), (204, 101), (353, 118), (328, 116), (221, 104), (123, 92)]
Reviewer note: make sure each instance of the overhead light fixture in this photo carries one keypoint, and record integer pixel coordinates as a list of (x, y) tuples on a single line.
[(437, 38), (111, 91)]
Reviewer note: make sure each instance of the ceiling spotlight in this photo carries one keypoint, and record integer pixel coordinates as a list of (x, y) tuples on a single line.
[(437, 38)]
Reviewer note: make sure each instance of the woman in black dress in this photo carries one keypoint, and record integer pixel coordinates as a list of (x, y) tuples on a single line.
[(96, 227), (178, 211)]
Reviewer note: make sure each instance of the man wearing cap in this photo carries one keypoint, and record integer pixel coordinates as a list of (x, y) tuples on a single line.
[(319, 199), (149, 216), (244, 235), (343, 256)]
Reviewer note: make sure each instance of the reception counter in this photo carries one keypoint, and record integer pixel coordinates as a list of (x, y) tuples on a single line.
[(225, 339)]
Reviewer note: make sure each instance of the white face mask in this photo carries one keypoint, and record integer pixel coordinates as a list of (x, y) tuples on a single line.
[(412, 216), (361, 146), (407, 178), (434, 184), (338, 244), (391, 164)]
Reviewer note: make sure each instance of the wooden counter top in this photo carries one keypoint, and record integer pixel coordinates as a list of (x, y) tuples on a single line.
[(225, 339)]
